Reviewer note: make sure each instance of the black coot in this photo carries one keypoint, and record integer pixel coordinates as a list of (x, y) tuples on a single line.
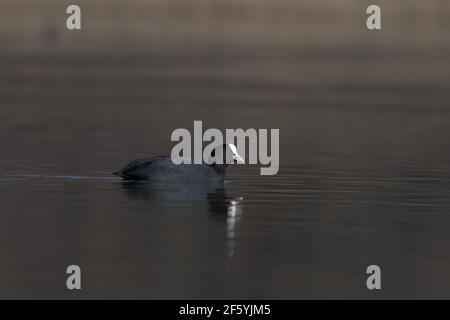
[(162, 168)]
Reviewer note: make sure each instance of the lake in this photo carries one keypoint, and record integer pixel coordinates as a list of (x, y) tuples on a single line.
[(364, 175)]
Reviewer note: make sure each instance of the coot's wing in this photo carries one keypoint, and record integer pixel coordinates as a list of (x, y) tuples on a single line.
[(136, 168), (161, 168)]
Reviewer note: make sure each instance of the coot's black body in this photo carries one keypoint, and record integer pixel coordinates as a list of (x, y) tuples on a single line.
[(161, 168)]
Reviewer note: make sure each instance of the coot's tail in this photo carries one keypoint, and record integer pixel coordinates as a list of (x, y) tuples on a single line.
[(123, 175), (118, 173)]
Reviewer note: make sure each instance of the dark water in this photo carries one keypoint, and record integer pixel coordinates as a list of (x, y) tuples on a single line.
[(364, 178)]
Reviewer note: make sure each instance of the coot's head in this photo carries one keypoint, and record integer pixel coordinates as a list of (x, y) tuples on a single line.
[(225, 154)]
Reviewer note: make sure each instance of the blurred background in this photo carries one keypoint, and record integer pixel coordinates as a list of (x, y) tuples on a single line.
[(365, 135), (114, 26), (264, 51)]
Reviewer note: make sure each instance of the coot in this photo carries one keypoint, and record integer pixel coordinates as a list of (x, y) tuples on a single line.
[(162, 168)]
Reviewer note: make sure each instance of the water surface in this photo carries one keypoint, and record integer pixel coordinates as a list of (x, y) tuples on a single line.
[(364, 179)]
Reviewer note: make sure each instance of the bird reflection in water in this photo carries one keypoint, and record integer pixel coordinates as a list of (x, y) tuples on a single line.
[(230, 210), (221, 207)]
